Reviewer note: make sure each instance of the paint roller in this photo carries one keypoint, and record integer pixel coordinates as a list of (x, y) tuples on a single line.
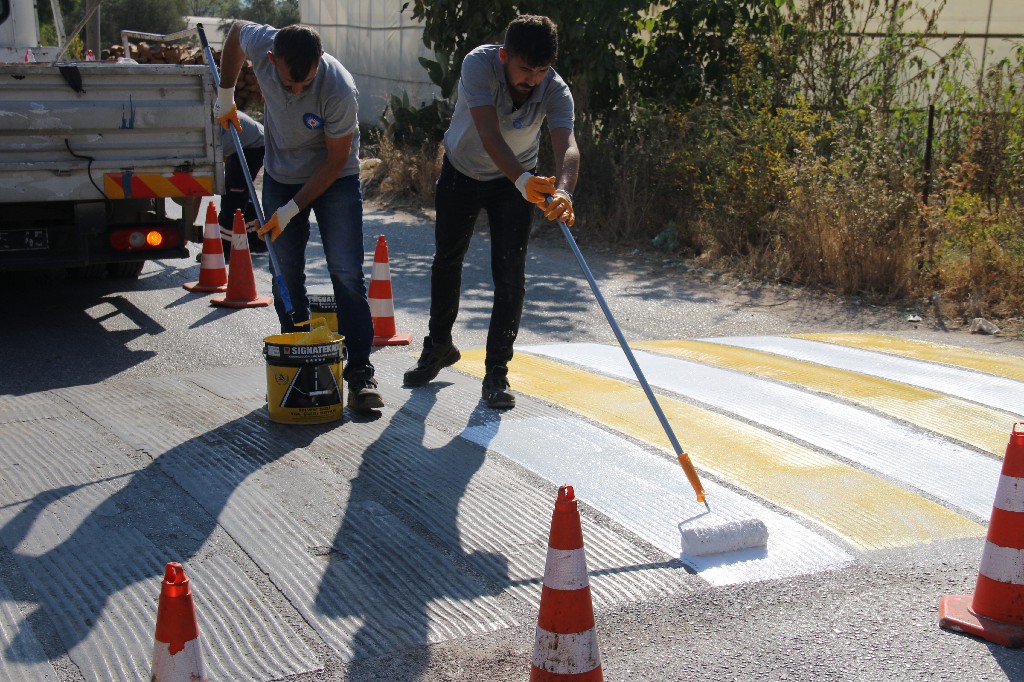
[(282, 289), (700, 540)]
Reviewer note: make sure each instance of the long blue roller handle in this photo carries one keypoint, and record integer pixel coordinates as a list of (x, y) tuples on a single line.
[(681, 456), (278, 277)]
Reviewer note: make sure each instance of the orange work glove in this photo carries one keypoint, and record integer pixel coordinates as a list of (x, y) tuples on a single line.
[(560, 208), (535, 188), (224, 109), (275, 226)]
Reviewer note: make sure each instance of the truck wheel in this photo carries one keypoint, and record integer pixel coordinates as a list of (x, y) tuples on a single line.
[(125, 270)]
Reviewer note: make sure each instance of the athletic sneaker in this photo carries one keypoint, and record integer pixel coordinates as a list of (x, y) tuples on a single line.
[(363, 395), (432, 360), (496, 391)]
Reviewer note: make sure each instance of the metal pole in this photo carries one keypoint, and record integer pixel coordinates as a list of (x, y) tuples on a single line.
[(684, 459), (278, 277)]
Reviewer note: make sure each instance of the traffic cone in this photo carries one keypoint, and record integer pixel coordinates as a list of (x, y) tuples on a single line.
[(241, 281), (177, 654), (382, 306), (213, 275), (995, 611), (565, 645)]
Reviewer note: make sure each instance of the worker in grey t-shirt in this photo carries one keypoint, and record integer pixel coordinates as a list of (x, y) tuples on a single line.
[(311, 164), (506, 92)]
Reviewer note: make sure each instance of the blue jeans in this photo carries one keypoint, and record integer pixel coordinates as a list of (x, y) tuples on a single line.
[(458, 200), (339, 217)]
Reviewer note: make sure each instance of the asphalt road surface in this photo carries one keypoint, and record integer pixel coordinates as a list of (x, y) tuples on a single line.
[(410, 544)]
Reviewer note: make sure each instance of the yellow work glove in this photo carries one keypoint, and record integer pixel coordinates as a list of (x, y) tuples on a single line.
[(560, 208), (275, 226), (224, 109), (535, 188)]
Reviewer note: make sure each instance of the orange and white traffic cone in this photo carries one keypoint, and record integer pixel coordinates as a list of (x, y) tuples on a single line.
[(213, 274), (241, 291), (995, 611), (382, 306), (177, 654), (565, 645)]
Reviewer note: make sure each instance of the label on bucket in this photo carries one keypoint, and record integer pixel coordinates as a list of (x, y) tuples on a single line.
[(304, 354), (303, 381)]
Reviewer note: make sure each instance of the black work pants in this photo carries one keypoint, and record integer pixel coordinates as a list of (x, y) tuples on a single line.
[(458, 200), (236, 190)]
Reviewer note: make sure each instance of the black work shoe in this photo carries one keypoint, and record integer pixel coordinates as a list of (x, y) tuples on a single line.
[(432, 360), (363, 395), (496, 392)]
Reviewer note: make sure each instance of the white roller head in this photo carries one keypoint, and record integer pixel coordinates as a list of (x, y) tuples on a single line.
[(729, 536)]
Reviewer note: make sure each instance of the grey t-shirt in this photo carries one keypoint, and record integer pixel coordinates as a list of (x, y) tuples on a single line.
[(296, 125), (483, 83)]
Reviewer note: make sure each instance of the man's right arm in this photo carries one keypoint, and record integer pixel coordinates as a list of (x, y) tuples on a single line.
[(232, 56), (534, 188)]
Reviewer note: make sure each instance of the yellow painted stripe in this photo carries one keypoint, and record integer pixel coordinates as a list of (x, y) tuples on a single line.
[(967, 422), (869, 512), (997, 364)]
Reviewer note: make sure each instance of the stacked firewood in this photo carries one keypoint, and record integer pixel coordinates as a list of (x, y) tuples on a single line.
[(247, 89)]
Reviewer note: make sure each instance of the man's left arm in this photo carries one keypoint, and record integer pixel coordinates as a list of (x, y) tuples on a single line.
[(567, 168), (326, 173)]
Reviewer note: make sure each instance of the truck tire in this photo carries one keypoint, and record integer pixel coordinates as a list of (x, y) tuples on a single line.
[(129, 270)]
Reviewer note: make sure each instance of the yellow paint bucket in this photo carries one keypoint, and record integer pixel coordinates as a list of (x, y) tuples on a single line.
[(304, 384), (323, 305)]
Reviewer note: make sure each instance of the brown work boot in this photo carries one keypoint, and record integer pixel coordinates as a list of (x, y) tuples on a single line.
[(363, 395)]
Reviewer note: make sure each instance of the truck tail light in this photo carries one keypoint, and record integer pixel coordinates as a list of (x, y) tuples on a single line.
[(143, 238)]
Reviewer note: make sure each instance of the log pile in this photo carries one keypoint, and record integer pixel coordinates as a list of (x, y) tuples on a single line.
[(247, 89)]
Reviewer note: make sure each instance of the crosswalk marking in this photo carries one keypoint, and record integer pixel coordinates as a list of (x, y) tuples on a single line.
[(991, 363), (976, 425), (997, 392), (869, 512), (651, 497)]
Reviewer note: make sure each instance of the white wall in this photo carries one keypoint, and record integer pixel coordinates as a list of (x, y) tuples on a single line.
[(379, 45)]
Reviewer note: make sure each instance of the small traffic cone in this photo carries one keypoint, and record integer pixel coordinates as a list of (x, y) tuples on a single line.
[(241, 281), (213, 275), (382, 306), (565, 645), (995, 611), (177, 654)]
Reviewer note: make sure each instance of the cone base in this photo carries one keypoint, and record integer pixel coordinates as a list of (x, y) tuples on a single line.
[(955, 614), (258, 302), (206, 288), (395, 340)]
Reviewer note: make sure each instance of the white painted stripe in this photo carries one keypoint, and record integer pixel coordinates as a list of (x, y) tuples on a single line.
[(380, 271), (648, 493), (950, 472), (186, 664), (566, 654), (1004, 564), (566, 569), (1010, 494), (985, 389), (212, 261), (381, 307), (239, 242)]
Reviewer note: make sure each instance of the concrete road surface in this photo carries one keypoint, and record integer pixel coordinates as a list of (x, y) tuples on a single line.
[(410, 544)]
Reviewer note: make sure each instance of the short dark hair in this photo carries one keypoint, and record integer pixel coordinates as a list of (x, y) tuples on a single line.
[(534, 38), (300, 47)]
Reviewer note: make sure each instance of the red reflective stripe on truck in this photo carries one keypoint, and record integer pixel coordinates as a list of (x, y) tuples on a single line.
[(154, 185)]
